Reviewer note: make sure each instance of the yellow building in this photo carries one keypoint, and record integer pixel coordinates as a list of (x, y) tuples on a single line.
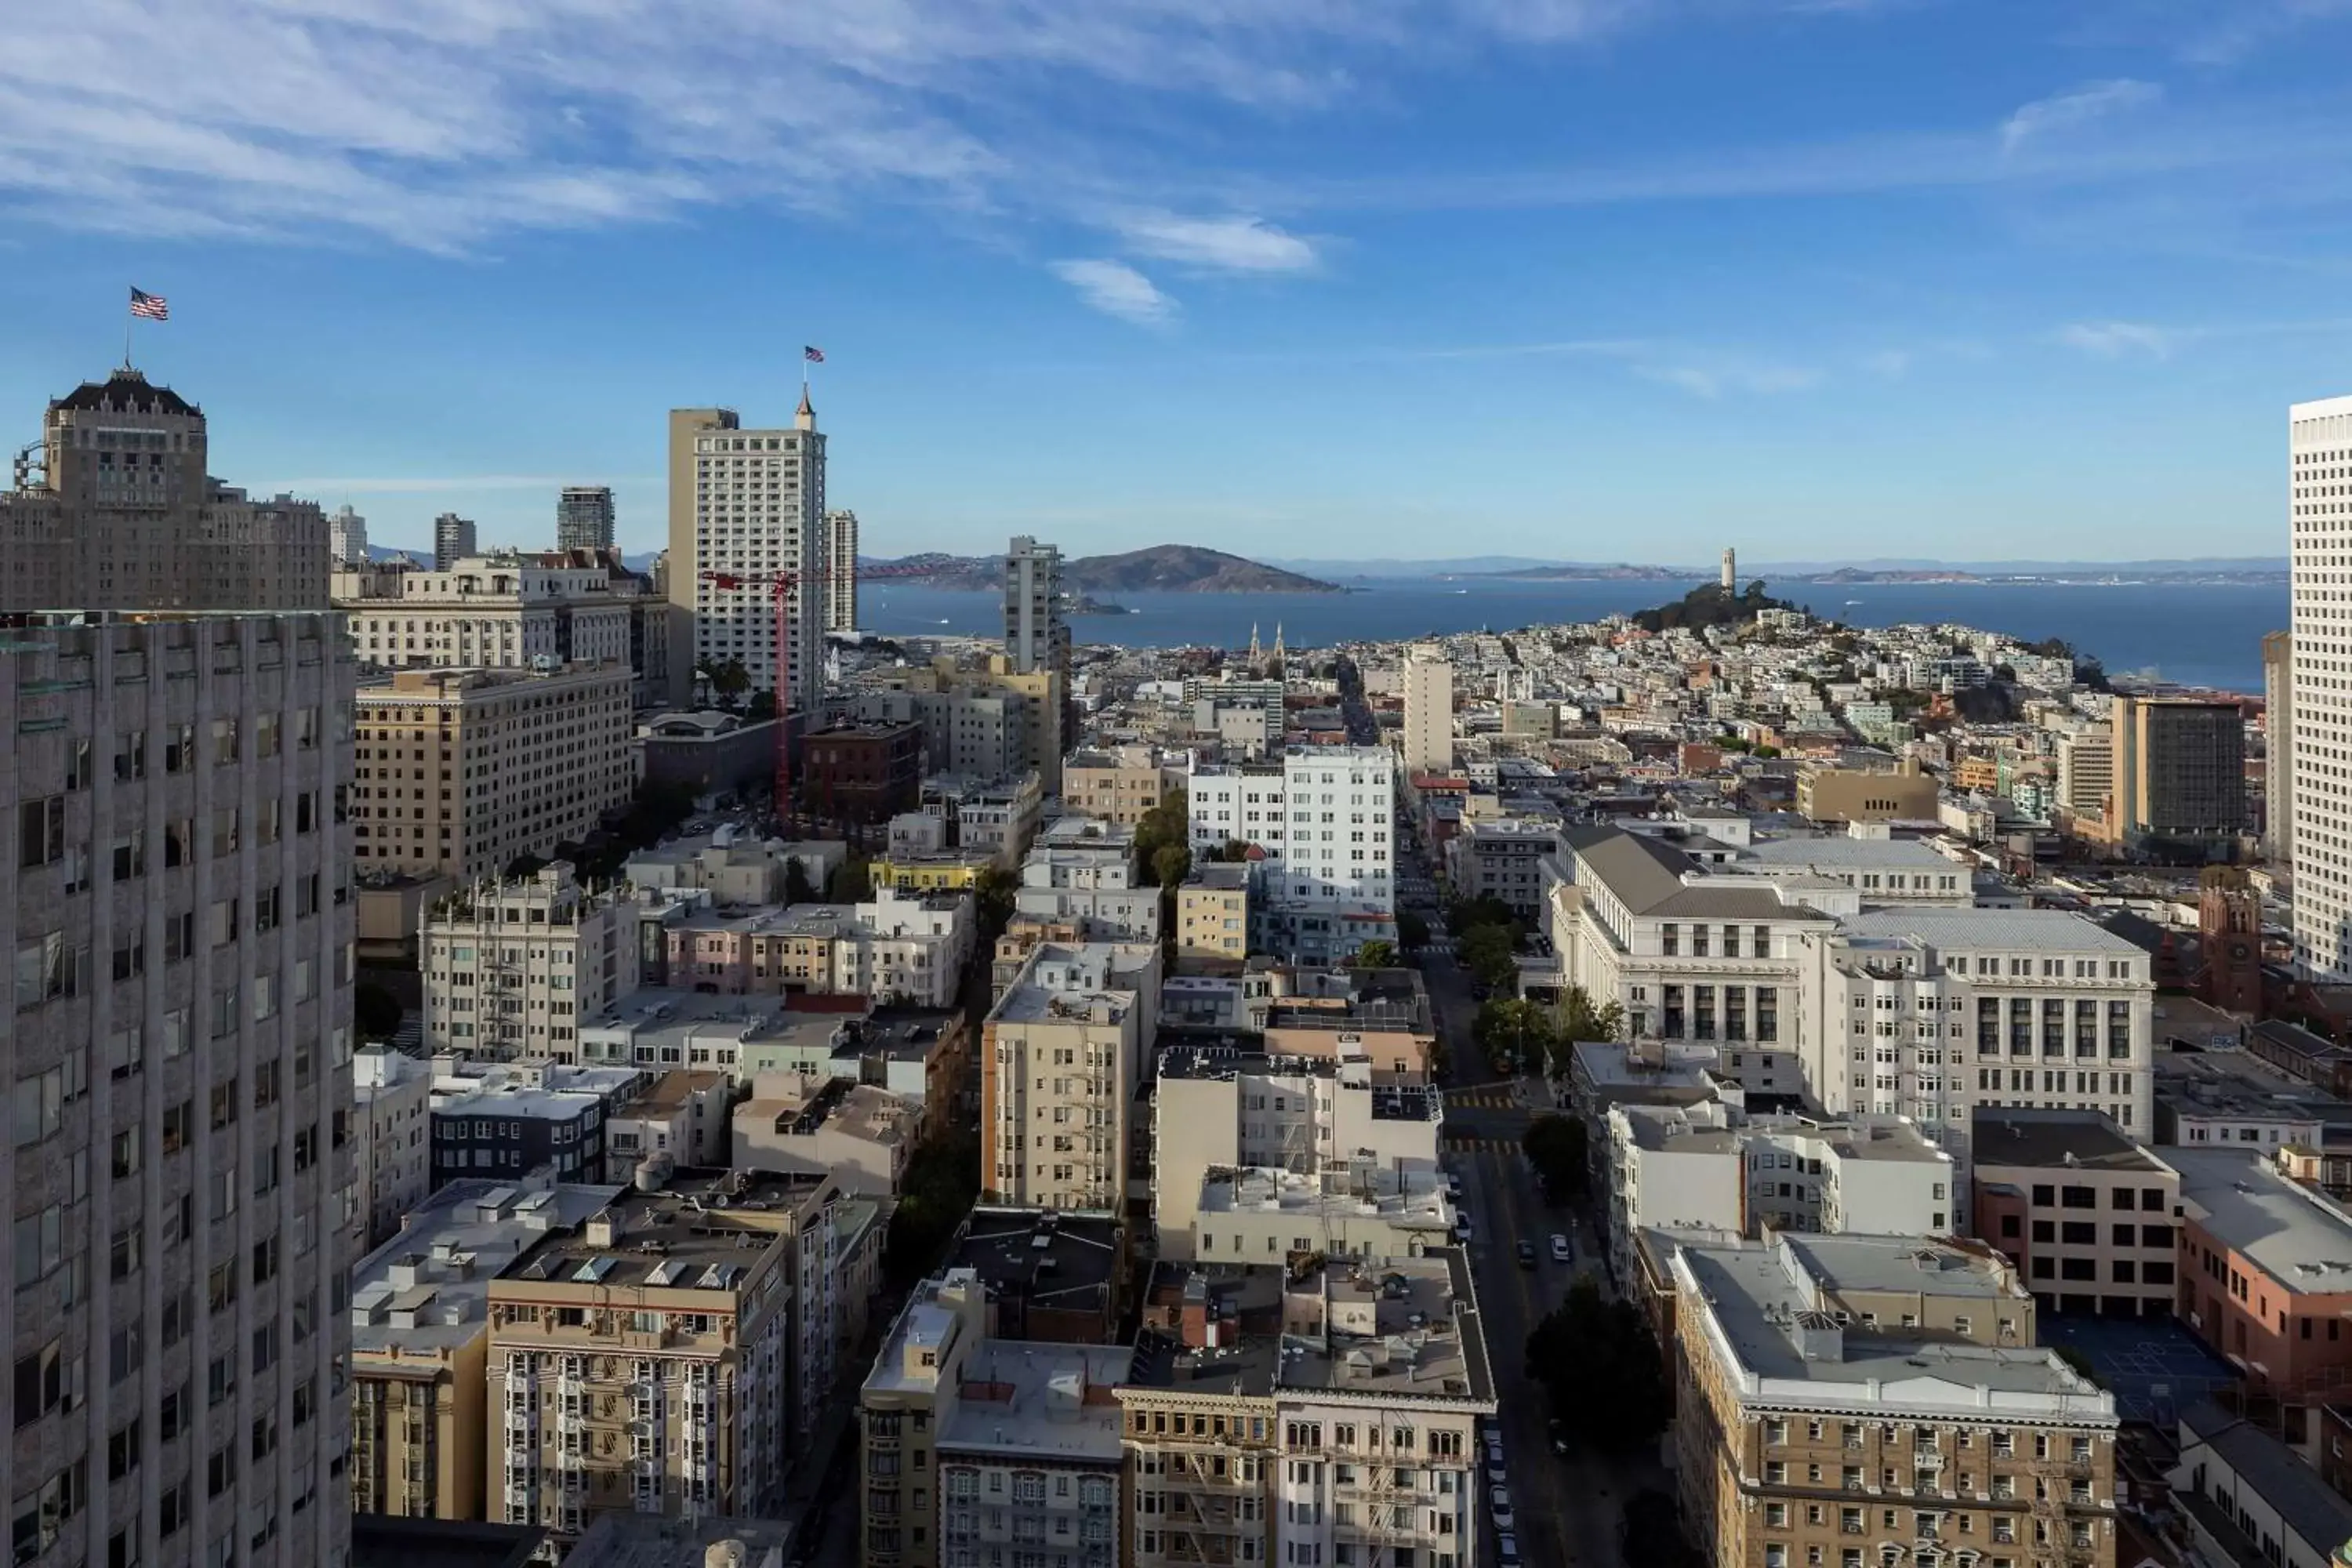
[(933, 871), (420, 1340), (1213, 915), (1111, 787)]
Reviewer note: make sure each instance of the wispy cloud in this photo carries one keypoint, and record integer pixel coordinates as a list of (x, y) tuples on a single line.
[(1228, 244), (2072, 110), (1117, 289), (2118, 340)]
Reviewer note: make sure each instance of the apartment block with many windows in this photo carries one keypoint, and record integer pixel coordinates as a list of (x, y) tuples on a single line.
[(175, 902), (1808, 1434), (510, 968), (461, 771)]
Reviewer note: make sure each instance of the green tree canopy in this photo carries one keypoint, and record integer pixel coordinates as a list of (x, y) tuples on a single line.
[(1561, 1150), (1606, 1380), (1376, 954), (1513, 1033)]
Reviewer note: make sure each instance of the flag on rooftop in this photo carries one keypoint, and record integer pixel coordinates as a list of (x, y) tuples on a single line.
[(152, 307), (815, 356)]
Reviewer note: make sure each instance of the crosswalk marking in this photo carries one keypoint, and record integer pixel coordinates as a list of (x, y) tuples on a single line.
[(1476, 1145)]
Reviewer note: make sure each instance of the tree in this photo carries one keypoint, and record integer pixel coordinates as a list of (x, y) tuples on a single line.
[(1580, 1019), (942, 1183), (1560, 1148), (1651, 1531), (1484, 911), (1165, 826), (523, 867), (992, 893), (1233, 851), (1491, 952), (851, 882), (1513, 1033), (761, 706), (1170, 864), (1596, 1360), (375, 1012), (798, 888), (1413, 931), (1374, 954)]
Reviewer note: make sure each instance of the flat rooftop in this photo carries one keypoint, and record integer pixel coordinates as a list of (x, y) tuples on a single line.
[(424, 1293), (1047, 1403), (1859, 1261), (1411, 1198), (1992, 930), (1391, 1102), (1408, 1327), (1028, 1003), (1845, 852), (2056, 1139), (2303, 1240), (1761, 1308), (1243, 1301), (689, 1235), (1053, 1261)]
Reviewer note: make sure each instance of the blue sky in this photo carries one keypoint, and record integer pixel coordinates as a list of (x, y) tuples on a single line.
[(1584, 278)]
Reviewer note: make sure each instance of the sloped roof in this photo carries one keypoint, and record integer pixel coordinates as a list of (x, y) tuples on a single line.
[(125, 392)]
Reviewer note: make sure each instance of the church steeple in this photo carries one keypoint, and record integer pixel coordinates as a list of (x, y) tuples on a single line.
[(1254, 653), (804, 417)]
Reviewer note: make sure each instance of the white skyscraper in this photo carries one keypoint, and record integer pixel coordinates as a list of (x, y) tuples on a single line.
[(1428, 711), (841, 571), (346, 537), (748, 506), (2319, 462), (1035, 636)]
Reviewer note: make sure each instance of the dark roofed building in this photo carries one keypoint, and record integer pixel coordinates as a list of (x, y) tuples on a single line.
[(1052, 1278), (2249, 1499), (125, 391)]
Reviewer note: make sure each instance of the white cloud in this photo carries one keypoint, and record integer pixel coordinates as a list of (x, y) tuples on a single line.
[(1117, 289), (2070, 110), (1715, 380), (2117, 340), (1227, 244)]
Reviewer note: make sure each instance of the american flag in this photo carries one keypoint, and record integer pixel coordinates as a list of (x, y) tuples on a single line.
[(152, 307), (815, 356)]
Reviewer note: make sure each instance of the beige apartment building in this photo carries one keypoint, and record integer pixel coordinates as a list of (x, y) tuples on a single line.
[(980, 719), (420, 1344), (125, 515), (1855, 794), (175, 899), (511, 968), (643, 1360), (1810, 1434), (1112, 786), (1058, 1066), (1200, 1420), (744, 506), (461, 771), (1428, 736), (1213, 915)]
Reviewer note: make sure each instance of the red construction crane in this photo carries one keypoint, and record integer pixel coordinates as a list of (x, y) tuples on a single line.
[(779, 586)]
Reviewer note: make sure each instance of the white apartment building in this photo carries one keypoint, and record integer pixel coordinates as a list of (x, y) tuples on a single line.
[(510, 968), (1881, 868), (176, 899), (1706, 1168), (501, 612), (1712, 959), (1929, 1013), (841, 571), (460, 771), (2086, 771), (1428, 711), (1218, 1110), (392, 1138), (2319, 442), (1035, 637), (1086, 877), (1325, 820), (906, 947), (746, 506)]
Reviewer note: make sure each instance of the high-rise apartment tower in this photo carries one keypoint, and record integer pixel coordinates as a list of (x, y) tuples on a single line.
[(454, 538), (841, 571), (347, 538), (583, 517), (747, 506), (1428, 711), (1035, 636), (2319, 463)]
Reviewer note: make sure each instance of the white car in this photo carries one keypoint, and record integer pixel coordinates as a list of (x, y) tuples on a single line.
[(1462, 1229), (1559, 1253), (1499, 1502), (1506, 1551)]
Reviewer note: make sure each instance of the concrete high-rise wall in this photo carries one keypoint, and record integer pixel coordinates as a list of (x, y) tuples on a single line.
[(2278, 746), (2181, 769), (841, 571), (2319, 458), (1035, 636), (583, 517), (176, 895)]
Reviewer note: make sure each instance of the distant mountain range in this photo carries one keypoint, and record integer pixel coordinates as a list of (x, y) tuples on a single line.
[(1163, 568)]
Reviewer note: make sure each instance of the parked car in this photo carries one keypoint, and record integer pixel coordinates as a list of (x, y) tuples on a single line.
[(1462, 1229), (1526, 1255), (1560, 1251), (1500, 1501), (1506, 1551)]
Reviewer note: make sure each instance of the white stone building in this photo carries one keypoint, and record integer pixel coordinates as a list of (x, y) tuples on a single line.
[(392, 1138), (2319, 442), (509, 969), (1325, 823), (745, 507)]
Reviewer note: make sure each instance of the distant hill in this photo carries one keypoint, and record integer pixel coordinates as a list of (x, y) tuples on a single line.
[(1163, 568)]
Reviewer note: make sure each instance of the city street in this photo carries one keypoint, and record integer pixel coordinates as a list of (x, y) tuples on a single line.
[(1568, 1507)]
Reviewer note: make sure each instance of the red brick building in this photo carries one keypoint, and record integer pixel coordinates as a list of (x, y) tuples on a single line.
[(866, 772)]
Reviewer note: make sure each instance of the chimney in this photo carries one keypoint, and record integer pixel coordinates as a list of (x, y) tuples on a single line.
[(1195, 1320)]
